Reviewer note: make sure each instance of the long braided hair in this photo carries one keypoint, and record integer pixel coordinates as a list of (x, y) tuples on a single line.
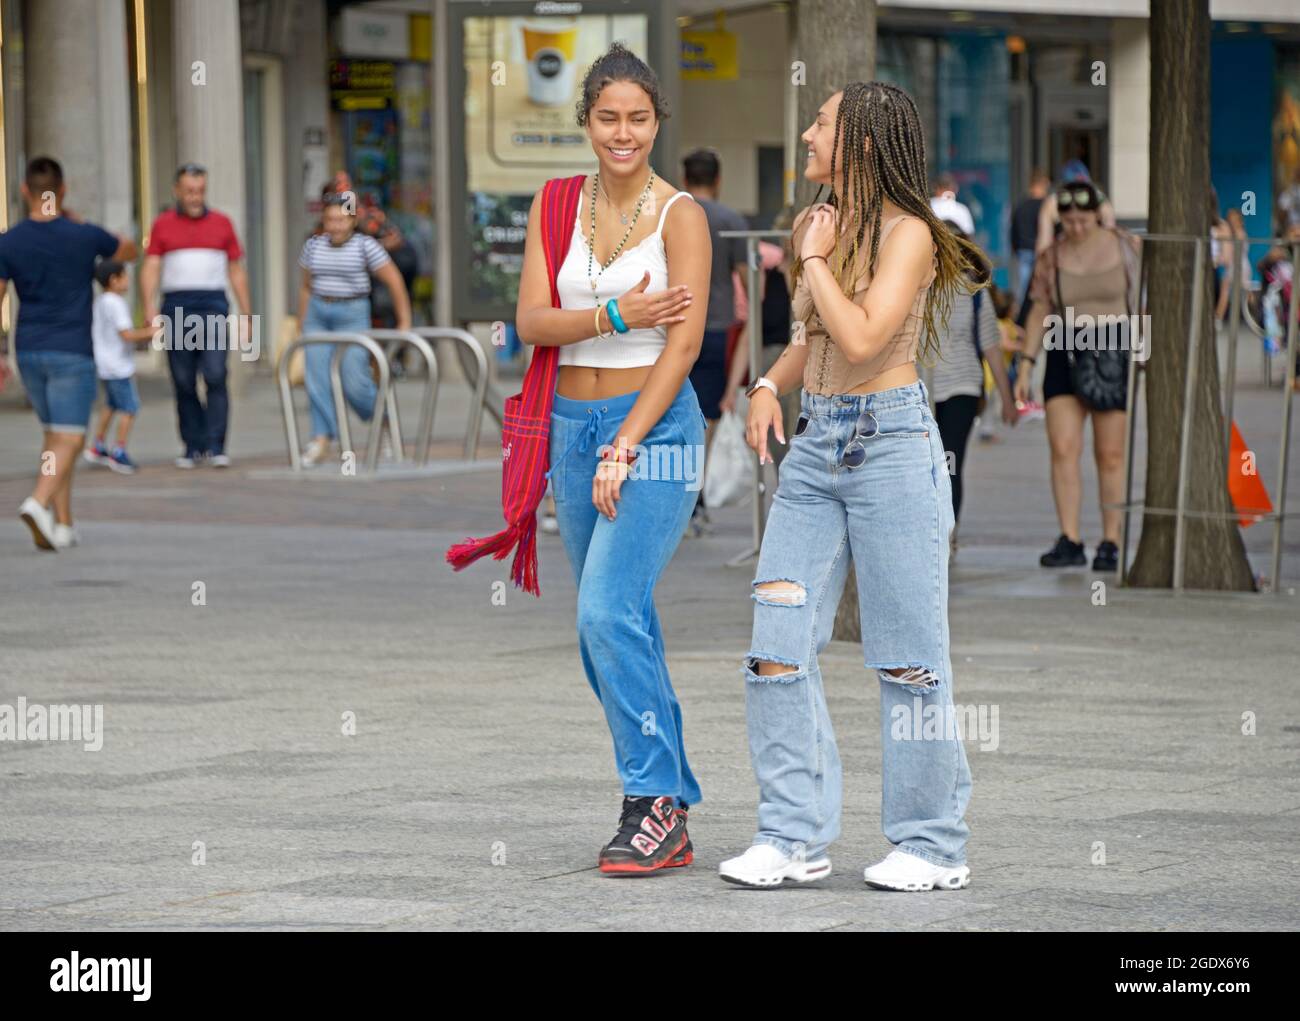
[(893, 167)]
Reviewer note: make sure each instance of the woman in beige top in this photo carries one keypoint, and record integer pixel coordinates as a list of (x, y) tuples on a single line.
[(865, 481), (1091, 271)]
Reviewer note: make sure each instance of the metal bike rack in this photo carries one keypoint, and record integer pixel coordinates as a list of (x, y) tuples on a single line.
[(755, 330), (339, 341), (434, 333), (392, 340)]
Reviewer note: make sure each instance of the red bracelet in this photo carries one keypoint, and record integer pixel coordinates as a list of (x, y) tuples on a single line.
[(623, 455), (822, 257)]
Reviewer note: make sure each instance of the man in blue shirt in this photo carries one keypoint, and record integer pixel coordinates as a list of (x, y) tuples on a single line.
[(50, 258)]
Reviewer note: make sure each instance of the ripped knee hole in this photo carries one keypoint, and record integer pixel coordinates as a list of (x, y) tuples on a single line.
[(771, 668), (780, 592), (917, 676)]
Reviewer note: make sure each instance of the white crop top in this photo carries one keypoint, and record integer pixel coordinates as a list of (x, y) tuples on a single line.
[(622, 350)]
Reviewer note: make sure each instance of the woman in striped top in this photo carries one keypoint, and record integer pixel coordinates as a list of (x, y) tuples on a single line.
[(970, 338), (335, 296)]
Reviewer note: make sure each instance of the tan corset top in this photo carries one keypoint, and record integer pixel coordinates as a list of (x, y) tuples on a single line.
[(827, 370), (1100, 293)]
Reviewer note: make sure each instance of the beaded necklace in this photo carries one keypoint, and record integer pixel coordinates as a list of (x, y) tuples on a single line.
[(591, 246)]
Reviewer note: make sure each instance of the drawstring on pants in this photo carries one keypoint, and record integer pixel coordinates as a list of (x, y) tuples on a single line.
[(584, 438)]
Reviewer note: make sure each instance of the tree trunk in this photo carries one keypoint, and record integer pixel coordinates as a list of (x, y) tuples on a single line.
[(1179, 203), (835, 45)]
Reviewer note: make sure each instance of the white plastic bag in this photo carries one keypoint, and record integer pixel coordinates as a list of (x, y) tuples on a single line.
[(730, 465)]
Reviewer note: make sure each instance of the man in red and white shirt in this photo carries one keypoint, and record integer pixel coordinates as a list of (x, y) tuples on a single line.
[(192, 254)]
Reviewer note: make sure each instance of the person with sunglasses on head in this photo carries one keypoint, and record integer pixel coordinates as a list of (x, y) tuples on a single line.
[(1049, 218), (193, 254), (864, 481), (1085, 286)]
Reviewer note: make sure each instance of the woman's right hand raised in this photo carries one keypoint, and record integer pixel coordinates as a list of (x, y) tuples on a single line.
[(641, 311), (764, 414)]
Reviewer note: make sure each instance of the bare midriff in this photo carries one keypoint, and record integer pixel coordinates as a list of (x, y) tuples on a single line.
[(899, 375), (589, 383)]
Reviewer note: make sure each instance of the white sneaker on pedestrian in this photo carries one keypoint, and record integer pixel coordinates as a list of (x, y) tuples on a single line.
[(906, 873), (65, 536), (40, 520), (184, 461), (315, 452), (764, 866), (219, 460)]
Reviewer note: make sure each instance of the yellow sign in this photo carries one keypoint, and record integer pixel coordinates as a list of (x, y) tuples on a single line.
[(709, 56), (421, 37)]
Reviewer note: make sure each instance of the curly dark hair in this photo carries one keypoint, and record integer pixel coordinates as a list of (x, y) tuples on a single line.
[(619, 64)]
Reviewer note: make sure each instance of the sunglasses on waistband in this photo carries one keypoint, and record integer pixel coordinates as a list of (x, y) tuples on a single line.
[(854, 454)]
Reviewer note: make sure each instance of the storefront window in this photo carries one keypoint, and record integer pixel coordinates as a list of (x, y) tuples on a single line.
[(959, 82)]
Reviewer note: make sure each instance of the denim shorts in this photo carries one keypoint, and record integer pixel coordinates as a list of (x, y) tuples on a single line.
[(122, 395), (61, 387)]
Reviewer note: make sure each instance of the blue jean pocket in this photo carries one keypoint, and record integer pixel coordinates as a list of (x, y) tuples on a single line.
[(907, 420)]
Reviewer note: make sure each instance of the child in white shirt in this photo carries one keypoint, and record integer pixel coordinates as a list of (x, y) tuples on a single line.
[(113, 331)]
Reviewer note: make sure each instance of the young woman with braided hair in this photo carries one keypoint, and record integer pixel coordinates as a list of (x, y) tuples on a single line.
[(865, 479)]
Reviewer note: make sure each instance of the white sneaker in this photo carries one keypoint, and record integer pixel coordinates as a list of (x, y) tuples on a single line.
[(65, 536), (764, 866), (219, 460), (906, 873), (184, 461), (315, 451), (40, 520)]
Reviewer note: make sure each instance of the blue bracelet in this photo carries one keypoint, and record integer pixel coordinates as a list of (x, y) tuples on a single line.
[(611, 310)]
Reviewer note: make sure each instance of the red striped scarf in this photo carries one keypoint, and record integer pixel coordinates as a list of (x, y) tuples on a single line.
[(526, 429)]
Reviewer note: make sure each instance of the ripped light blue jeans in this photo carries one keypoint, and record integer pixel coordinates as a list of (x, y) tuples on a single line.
[(893, 514)]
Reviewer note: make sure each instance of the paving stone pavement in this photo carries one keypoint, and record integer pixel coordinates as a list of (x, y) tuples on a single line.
[(478, 785)]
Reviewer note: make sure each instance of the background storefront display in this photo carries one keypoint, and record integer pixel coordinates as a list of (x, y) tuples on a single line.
[(521, 84)]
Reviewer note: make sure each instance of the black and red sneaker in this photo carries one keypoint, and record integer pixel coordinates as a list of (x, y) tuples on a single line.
[(650, 834), (687, 854)]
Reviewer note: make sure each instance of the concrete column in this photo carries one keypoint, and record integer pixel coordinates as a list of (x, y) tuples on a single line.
[(306, 120), (79, 104), (1129, 78), (208, 98)]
